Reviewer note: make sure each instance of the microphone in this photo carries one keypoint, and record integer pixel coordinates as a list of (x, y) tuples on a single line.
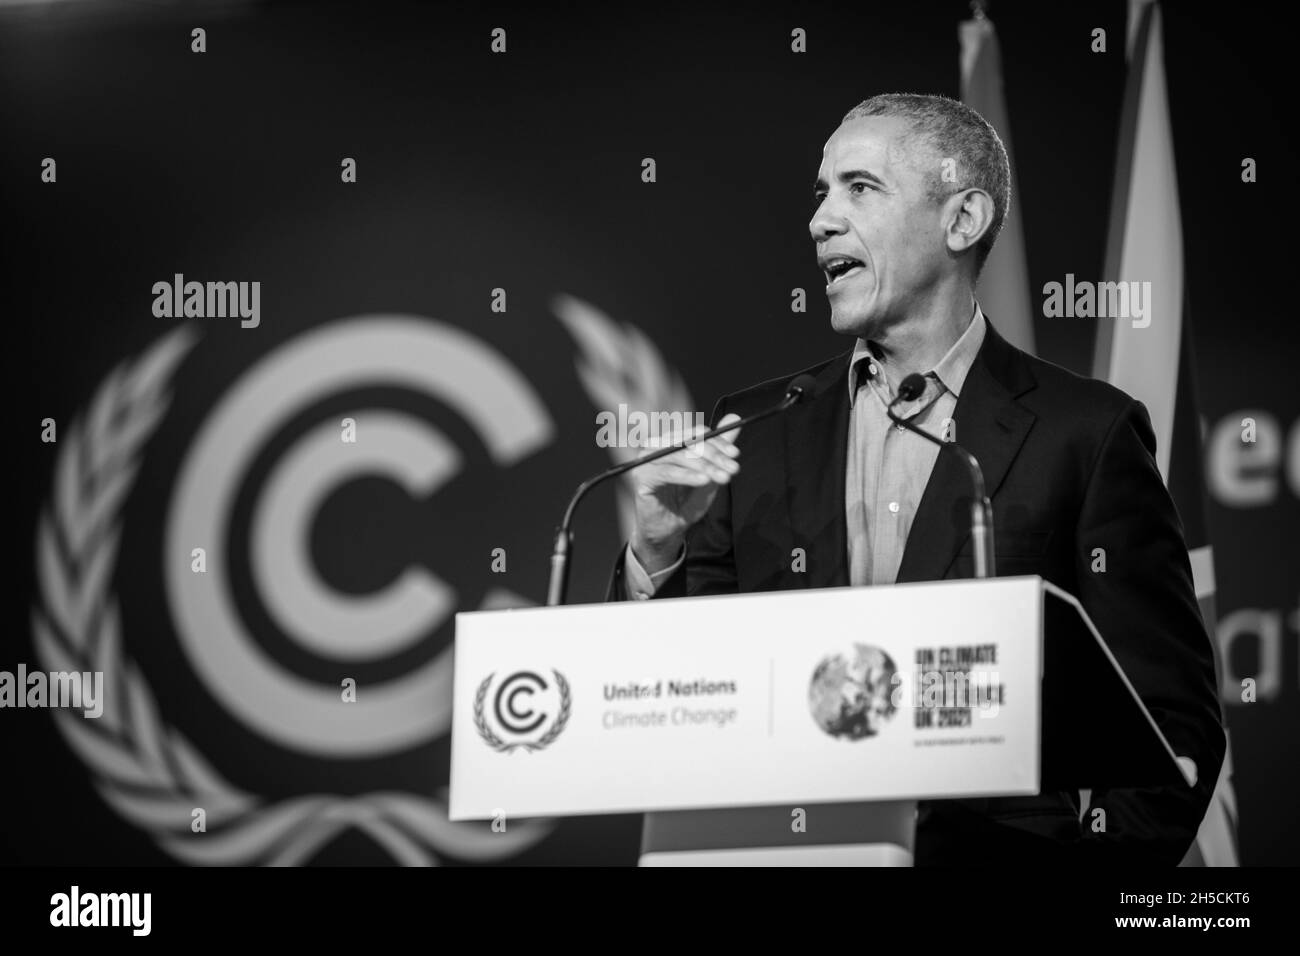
[(800, 389), (981, 509)]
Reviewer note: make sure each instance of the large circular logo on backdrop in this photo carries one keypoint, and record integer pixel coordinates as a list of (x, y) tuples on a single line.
[(404, 351), (149, 771)]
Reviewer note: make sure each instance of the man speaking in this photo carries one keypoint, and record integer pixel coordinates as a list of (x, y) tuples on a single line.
[(1068, 463)]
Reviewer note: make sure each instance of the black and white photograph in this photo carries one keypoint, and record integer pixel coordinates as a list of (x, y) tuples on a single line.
[(664, 435)]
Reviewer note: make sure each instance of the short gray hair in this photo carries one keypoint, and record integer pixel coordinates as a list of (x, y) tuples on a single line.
[(953, 131)]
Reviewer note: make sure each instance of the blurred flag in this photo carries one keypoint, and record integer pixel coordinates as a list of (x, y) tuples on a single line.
[(1004, 284), (1151, 359)]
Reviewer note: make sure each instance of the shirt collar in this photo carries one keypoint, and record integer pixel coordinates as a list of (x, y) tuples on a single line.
[(951, 370)]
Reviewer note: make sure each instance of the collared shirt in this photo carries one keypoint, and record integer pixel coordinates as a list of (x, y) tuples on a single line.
[(886, 467)]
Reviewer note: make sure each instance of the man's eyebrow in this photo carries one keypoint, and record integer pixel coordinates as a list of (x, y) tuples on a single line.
[(848, 176)]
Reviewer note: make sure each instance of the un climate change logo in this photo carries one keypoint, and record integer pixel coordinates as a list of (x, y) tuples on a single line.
[(516, 710), (144, 767)]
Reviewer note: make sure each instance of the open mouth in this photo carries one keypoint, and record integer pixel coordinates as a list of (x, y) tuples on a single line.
[(836, 268)]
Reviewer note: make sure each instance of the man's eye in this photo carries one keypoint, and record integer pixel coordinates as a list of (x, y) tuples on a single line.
[(858, 188), (818, 198)]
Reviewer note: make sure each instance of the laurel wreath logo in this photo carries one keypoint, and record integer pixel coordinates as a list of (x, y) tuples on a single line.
[(496, 743), (620, 364), (146, 770)]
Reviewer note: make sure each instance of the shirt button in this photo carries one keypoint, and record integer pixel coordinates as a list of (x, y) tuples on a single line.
[(871, 367), (893, 507)]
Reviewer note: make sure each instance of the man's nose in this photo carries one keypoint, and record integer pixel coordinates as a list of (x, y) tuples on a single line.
[(825, 224)]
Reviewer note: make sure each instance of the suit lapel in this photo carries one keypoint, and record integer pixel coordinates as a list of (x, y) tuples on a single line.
[(992, 427), (816, 448)]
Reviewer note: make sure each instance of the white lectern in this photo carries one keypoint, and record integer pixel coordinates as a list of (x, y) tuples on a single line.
[(792, 727)]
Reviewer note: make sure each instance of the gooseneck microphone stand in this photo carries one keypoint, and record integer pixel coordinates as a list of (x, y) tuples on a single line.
[(557, 589), (981, 509)]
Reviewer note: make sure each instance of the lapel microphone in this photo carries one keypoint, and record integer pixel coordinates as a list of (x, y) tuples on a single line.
[(981, 509), (801, 389)]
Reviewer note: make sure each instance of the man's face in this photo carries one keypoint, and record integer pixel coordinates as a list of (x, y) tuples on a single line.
[(880, 238)]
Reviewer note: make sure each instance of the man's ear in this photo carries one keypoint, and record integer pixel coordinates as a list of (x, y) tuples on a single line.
[(968, 215)]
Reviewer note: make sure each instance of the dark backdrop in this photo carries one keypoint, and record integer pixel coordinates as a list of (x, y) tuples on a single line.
[(522, 171)]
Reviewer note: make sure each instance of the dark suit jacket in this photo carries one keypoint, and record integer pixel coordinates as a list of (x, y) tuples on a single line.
[(1068, 462)]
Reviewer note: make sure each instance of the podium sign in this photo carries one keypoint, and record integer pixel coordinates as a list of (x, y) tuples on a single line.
[(915, 691)]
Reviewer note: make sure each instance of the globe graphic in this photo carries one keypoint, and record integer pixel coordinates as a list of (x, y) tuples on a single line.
[(849, 695)]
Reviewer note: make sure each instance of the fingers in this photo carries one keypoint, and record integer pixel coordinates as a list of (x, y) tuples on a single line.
[(696, 477), (728, 419), (721, 444), (676, 468), (679, 436), (716, 457), (699, 463), (726, 443), (716, 454)]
